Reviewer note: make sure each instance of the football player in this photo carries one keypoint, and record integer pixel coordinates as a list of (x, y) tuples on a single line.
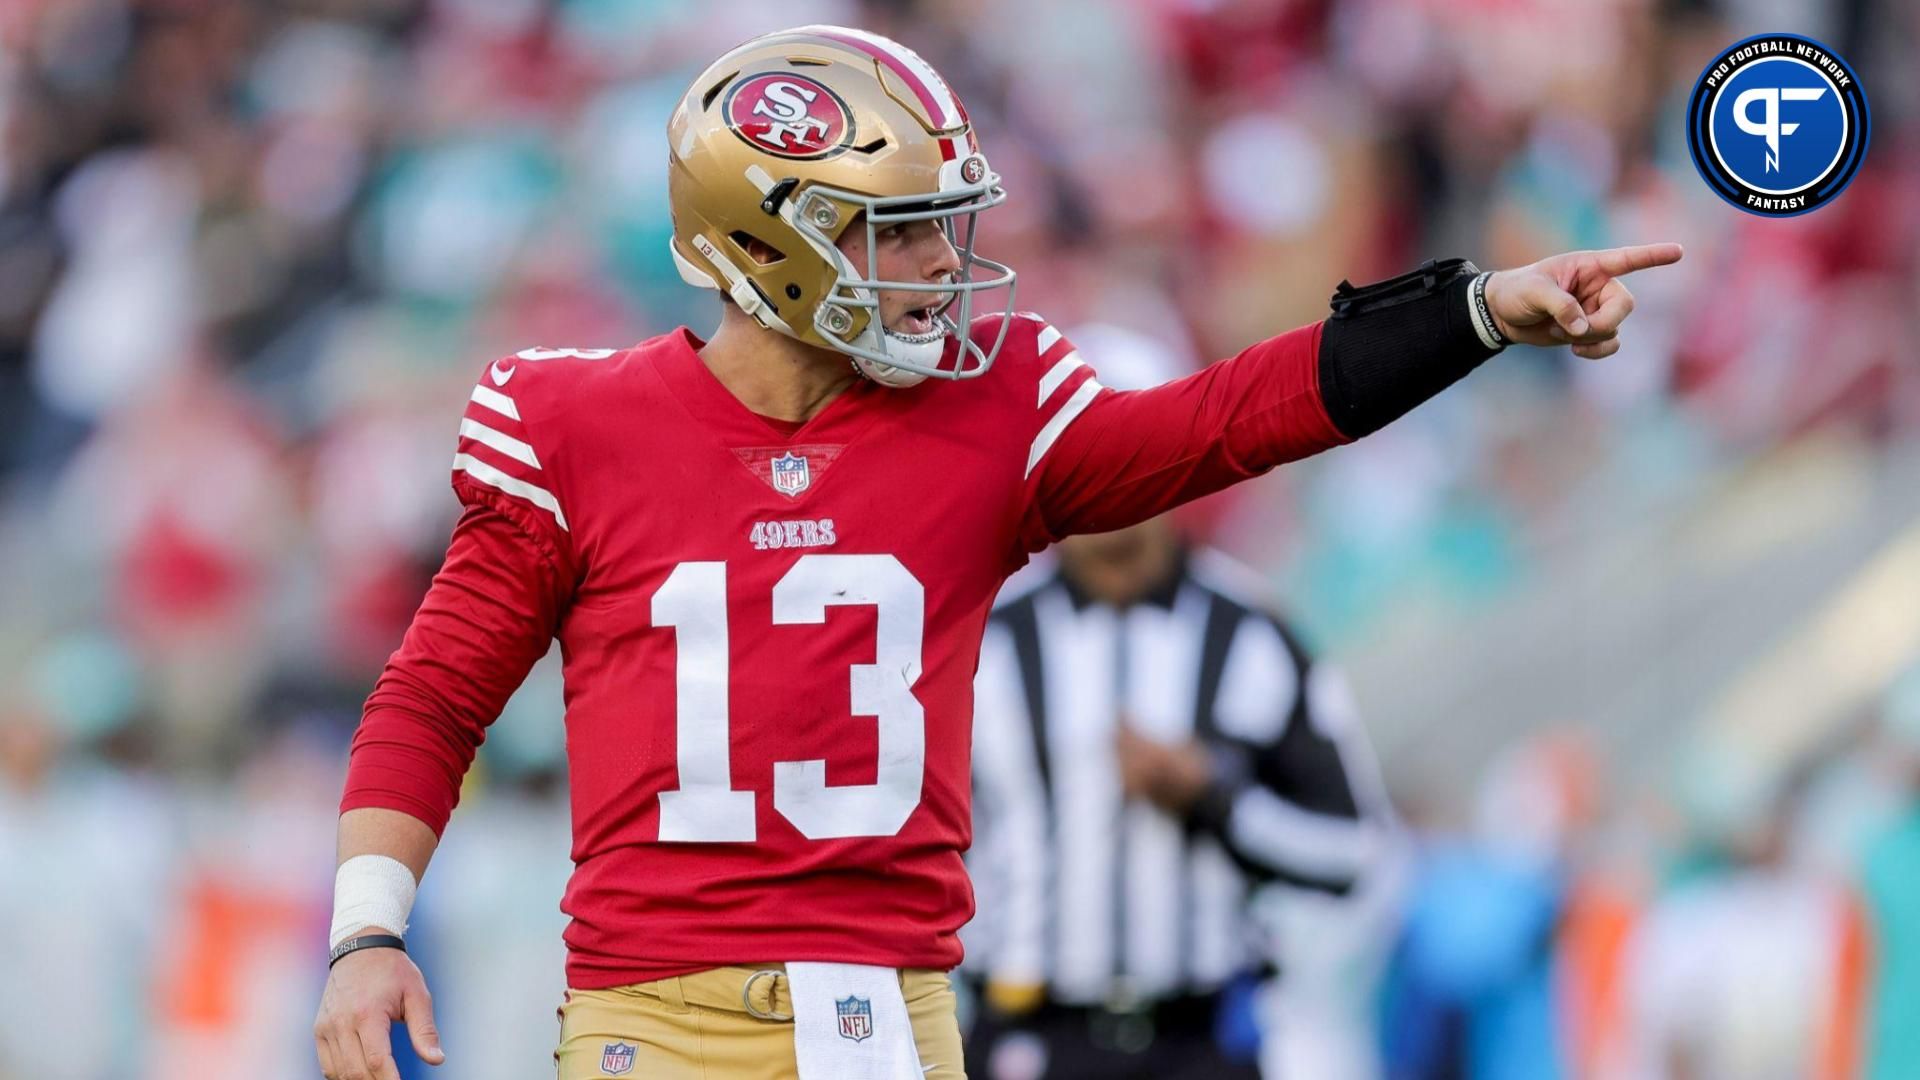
[(768, 558)]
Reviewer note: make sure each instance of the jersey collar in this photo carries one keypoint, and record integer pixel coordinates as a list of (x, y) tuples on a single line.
[(712, 404)]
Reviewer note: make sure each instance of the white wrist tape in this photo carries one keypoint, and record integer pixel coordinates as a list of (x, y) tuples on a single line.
[(371, 890)]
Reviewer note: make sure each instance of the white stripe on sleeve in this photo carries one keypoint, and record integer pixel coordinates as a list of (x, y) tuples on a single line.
[(499, 440), (1075, 405), (1057, 374), (489, 398), (494, 478)]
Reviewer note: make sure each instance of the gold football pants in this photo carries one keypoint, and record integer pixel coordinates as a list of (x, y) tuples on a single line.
[(699, 1027)]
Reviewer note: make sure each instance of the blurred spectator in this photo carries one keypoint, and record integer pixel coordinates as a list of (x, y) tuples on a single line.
[(1751, 968), (88, 846), (1508, 967), (1891, 883), (245, 908)]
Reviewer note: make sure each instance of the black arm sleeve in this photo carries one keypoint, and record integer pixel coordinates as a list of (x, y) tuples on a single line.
[(1390, 346)]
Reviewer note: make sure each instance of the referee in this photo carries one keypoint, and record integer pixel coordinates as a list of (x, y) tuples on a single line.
[(1150, 746)]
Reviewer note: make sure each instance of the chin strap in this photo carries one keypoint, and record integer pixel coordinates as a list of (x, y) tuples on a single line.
[(886, 374)]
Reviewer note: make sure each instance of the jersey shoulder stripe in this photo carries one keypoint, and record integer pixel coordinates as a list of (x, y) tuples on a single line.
[(1048, 338), (1063, 384), (1058, 373), (488, 398), (494, 478), (497, 444), (1067, 387), (1050, 433)]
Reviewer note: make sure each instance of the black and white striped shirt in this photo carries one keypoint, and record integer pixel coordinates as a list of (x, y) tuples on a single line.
[(1092, 895)]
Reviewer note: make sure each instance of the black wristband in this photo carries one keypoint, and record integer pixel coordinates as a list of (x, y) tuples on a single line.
[(1391, 346), (369, 941)]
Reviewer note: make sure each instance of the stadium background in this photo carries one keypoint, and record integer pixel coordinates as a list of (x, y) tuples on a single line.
[(1630, 636)]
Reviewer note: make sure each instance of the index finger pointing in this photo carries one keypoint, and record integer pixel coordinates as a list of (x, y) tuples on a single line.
[(1625, 260)]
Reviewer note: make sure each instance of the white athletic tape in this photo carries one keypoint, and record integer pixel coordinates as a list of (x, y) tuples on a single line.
[(371, 890)]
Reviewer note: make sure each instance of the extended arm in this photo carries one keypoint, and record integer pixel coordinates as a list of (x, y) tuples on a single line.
[(1112, 459)]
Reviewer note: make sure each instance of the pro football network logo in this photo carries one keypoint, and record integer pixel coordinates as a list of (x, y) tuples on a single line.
[(789, 115), (1778, 125), (856, 1017), (616, 1059)]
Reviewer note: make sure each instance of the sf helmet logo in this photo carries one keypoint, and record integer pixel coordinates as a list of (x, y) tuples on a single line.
[(789, 115), (785, 107), (1770, 128), (1777, 125)]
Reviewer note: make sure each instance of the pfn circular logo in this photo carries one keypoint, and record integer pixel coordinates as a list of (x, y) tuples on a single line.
[(1778, 125), (789, 115)]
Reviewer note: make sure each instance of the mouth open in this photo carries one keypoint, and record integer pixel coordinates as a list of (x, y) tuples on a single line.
[(919, 323)]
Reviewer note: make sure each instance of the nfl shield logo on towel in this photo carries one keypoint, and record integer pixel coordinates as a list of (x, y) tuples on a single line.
[(790, 475), (617, 1058), (856, 1017)]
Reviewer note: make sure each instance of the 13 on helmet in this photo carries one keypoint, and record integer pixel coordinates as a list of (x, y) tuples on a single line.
[(797, 136)]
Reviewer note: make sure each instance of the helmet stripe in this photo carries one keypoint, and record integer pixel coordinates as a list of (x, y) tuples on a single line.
[(934, 94)]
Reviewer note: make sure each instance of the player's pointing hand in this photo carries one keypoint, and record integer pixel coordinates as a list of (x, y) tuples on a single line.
[(1575, 298)]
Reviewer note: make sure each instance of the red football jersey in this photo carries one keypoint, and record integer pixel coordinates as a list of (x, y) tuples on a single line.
[(770, 638)]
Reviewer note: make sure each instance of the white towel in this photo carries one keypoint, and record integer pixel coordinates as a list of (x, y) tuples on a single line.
[(850, 1023)]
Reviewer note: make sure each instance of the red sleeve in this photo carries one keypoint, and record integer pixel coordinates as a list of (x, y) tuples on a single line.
[(490, 614), (1105, 459)]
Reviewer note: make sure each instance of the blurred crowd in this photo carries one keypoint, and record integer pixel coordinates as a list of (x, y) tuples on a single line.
[(253, 252), (1742, 922)]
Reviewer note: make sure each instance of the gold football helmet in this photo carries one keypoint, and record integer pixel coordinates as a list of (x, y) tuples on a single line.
[(796, 136)]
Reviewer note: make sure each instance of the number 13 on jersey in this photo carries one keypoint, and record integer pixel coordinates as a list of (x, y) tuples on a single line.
[(706, 807)]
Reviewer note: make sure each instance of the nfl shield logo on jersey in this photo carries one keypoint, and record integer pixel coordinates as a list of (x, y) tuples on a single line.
[(616, 1059), (790, 474), (856, 1017)]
